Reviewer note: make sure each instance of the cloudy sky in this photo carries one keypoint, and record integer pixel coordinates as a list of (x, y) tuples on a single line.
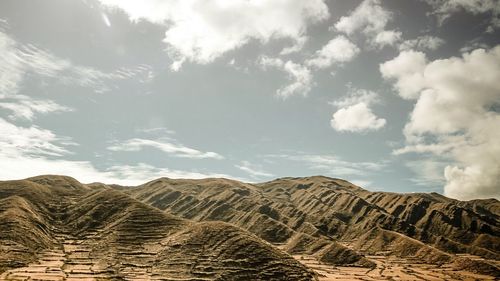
[(392, 95)]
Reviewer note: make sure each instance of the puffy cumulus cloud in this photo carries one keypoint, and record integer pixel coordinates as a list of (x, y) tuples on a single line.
[(386, 38), (407, 72), (202, 30), (354, 113), (455, 117), (446, 8), (168, 146), (371, 19), (338, 50), (300, 76), (356, 118)]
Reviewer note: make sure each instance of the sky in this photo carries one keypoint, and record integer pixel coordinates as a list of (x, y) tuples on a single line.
[(395, 95)]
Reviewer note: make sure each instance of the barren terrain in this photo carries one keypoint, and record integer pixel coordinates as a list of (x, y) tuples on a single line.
[(317, 228)]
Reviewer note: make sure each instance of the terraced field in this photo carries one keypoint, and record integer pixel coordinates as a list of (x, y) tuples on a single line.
[(391, 268), (55, 228), (103, 234)]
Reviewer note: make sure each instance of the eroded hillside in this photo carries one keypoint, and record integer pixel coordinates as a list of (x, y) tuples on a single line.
[(54, 228), (318, 215)]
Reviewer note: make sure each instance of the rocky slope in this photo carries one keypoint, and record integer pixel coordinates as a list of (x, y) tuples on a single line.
[(312, 215), (54, 228)]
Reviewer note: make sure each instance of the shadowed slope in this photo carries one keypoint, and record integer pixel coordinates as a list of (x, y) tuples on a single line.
[(330, 210), (26, 220), (72, 231)]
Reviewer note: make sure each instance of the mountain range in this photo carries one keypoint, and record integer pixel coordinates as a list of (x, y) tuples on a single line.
[(313, 228)]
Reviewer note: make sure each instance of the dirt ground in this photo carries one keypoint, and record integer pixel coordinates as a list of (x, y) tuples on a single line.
[(390, 268)]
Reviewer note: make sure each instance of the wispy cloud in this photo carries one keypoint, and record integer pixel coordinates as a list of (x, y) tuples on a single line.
[(168, 146), (428, 173), (32, 141), (422, 43), (332, 164), (25, 107), (85, 171), (31, 151), (18, 60), (255, 171), (446, 8)]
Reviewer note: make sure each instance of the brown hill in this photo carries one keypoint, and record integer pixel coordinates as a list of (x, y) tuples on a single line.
[(427, 226), (54, 228)]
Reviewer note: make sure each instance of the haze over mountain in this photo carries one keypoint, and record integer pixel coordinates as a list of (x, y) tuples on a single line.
[(55, 228)]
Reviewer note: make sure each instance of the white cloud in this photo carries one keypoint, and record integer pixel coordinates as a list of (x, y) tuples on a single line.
[(201, 31), (31, 141), (371, 19), (141, 173), (362, 183), (407, 72), (338, 50), (255, 171), (166, 145), (446, 8), (356, 118), (356, 96), (387, 38), (354, 113), (425, 42), (19, 60), (455, 116), (31, 151), (472, 45), (25, 107), (84, 171), (299, 45), (332, 164), (300, 76)]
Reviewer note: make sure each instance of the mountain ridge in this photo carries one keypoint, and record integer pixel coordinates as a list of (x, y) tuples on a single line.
[(71, 231), (329, 220)]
